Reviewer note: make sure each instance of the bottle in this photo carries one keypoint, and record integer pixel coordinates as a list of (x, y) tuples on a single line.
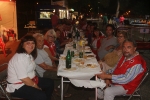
[(68, 60), (77, 35), (74, 44)]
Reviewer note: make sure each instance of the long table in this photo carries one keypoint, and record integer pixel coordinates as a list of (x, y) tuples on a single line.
[(81, 72)]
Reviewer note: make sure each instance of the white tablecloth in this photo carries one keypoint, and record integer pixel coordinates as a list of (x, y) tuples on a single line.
[(82, 75)]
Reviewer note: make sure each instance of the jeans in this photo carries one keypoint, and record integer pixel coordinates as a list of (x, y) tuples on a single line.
[(31, 93)]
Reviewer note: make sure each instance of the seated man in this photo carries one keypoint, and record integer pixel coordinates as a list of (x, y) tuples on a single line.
[(43, 60), (127, 75), (108, 43), (44, 64)]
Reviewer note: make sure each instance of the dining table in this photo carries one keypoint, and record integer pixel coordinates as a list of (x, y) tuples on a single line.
[(82, 69)]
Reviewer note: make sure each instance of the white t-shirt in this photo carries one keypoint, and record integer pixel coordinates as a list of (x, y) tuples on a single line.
[(20, 66), (41, 58)]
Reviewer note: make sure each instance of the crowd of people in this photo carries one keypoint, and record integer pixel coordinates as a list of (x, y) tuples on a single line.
[(122, 66)]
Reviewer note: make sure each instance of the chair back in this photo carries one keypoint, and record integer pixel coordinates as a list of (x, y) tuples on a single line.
[(135, 93), (3, 82)]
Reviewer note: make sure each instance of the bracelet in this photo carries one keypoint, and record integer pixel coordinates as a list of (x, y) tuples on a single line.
[(33, 85)]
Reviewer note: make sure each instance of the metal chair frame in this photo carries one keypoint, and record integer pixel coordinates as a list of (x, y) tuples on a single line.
[(137, 92), (2, 84)]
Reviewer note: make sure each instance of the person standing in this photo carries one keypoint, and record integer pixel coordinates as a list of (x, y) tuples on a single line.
[(105, 20), (121, 19), (108, 43)]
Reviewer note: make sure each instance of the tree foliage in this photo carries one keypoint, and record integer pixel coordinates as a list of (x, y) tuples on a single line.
[(110, 6)]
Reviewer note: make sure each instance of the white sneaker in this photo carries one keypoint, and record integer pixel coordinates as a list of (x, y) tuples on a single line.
[(100, 93)]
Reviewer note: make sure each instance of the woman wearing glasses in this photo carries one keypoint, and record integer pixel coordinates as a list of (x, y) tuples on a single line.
[(49, 45)]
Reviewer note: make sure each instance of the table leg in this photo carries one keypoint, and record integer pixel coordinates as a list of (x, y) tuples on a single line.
[(96, 89), (62, 88)]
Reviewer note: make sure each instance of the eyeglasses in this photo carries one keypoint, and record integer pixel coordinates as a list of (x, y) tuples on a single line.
[(51, 36)]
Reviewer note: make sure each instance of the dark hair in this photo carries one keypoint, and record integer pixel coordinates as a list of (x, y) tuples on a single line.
[(131, 40), (96, 29), (25, 39), (110, 25), (123, 33), (56, 29)]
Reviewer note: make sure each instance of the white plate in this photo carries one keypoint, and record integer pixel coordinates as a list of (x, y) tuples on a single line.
[(78, 60), (90, 56), (88, 50)]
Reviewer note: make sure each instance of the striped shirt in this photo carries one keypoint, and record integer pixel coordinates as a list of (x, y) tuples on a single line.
[(130, 74)]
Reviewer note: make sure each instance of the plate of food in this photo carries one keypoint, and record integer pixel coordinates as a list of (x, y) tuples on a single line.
[(62, 57), (78, 60), (90, 56), (87, 51), (91, 65), (87, 48)]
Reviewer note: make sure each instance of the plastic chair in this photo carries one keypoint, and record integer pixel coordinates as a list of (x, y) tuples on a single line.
[(3, 84), (137, 92), (2, 46)]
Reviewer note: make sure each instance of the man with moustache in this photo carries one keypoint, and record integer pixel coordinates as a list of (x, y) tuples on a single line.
[(127, 74)]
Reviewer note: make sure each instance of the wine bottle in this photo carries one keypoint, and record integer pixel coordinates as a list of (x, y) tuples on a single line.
[(68, 60)]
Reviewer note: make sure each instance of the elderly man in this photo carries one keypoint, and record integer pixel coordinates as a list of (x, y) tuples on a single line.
[(44, 64), (127, 75), (43, 60), (108, 43)]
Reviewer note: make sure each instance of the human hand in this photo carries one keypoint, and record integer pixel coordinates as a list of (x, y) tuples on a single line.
[(109, 47), (102, 75), (108, 83)]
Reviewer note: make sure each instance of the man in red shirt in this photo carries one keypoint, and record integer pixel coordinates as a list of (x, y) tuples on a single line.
[(127, 74)]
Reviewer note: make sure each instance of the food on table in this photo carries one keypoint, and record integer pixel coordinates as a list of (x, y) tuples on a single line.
[(91, 65), (90, 55), (77, 60), (63, 57)]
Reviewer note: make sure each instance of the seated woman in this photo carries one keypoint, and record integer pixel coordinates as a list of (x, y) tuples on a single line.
[(111, 59), (49, 42), (22, 81), (96, 41)]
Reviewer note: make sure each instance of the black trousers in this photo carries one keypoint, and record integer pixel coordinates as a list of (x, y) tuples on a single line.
[(31, 93)]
